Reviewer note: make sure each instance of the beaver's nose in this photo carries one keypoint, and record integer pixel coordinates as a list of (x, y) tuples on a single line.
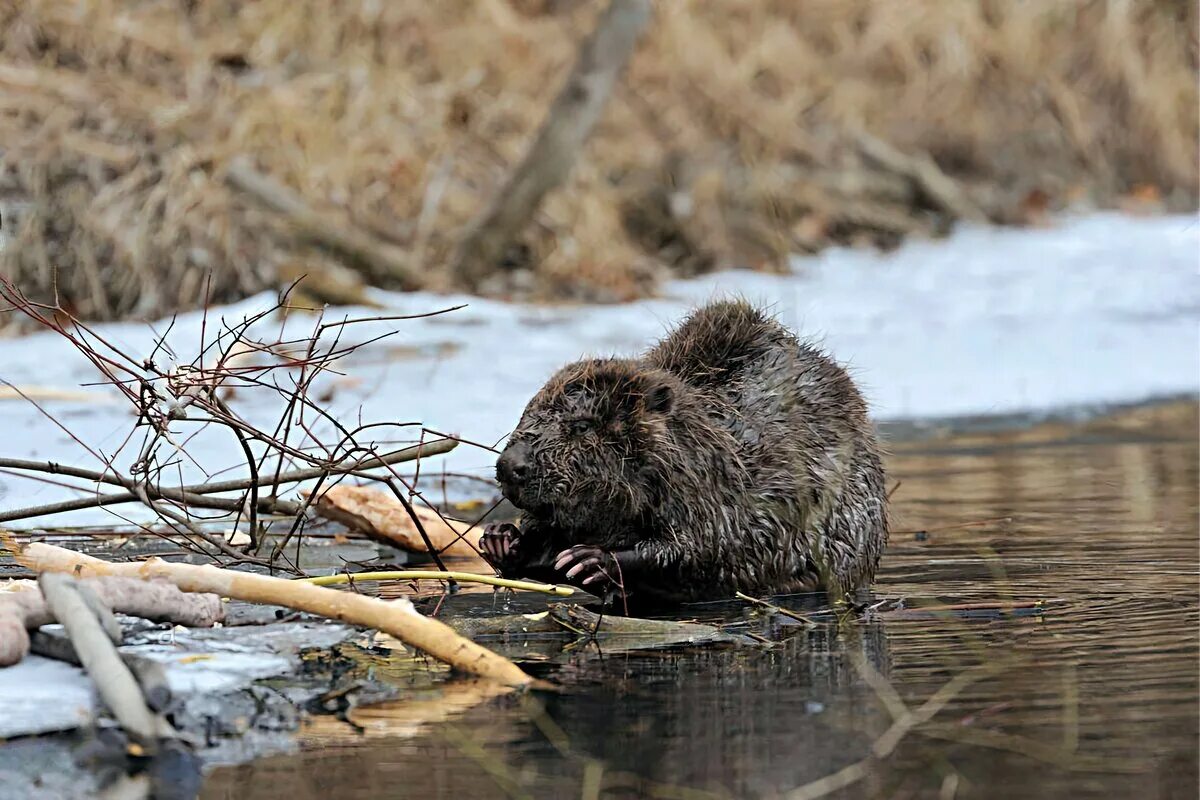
[(513, 466)]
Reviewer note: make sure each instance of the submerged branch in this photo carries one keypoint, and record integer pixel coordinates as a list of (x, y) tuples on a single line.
[(430, 575)]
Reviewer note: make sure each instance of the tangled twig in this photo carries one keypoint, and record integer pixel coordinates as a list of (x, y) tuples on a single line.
[(174, 401)]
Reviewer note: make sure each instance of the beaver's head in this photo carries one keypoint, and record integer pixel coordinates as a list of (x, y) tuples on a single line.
[(593, 445)]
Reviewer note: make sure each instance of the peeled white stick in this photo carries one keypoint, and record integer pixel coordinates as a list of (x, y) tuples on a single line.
[(116, 684), (395, 617)]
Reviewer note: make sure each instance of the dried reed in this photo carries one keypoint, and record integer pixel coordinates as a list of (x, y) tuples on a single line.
[(742, 132)]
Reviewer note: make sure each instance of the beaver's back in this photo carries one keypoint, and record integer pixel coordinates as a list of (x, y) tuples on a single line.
[(801, 429), (764, 382)]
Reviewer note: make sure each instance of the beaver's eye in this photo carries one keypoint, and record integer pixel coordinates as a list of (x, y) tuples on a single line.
[(578, 427)]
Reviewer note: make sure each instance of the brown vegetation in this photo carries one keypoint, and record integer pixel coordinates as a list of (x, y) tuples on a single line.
[(742, 131)]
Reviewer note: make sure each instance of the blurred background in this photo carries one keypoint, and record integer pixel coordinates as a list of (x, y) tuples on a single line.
[(160, 154), (982, 207)]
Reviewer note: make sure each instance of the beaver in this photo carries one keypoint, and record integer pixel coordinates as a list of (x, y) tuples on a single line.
[(730, 457)]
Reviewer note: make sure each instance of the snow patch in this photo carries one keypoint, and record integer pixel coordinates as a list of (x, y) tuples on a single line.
[(1101, 309), (40, 695)]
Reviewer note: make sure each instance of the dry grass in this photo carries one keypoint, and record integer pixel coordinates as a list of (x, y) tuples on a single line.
[(732, 141)]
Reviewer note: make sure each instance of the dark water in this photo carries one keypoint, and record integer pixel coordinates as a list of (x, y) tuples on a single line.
[(1096, 695)]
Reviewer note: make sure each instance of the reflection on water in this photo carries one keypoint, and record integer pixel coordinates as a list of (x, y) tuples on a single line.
[(1099, 520)]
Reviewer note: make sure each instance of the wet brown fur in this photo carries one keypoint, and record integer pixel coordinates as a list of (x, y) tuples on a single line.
[(730, 457)]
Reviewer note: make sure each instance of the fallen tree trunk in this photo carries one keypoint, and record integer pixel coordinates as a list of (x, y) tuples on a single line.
[(549, 159), (396, 617), (379, 261)]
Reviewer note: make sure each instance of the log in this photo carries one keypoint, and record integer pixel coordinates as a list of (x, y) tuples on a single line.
[(549, 159), (158, 601), (396, 617)]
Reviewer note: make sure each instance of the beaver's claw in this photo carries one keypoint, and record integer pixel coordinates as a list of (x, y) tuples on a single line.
[(498, 543), (588, 564)]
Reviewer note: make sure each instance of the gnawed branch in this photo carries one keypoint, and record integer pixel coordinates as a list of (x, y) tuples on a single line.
[(395, 617)]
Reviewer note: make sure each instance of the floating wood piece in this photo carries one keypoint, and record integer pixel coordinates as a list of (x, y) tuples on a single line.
[(506, 625), (574, 623), (549, 159), (642, 634), (381, 517)]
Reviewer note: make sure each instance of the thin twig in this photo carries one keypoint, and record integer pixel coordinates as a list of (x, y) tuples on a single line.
[(777, 609), (184, 494)]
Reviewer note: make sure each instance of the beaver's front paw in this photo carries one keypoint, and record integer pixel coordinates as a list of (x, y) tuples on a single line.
[(588, 564), (498, 544)]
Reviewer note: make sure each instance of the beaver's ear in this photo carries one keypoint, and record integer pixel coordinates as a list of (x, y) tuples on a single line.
[(659, 398)]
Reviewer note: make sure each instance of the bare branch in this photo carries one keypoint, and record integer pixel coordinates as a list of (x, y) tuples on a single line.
[(167, 397), (194, 494)]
